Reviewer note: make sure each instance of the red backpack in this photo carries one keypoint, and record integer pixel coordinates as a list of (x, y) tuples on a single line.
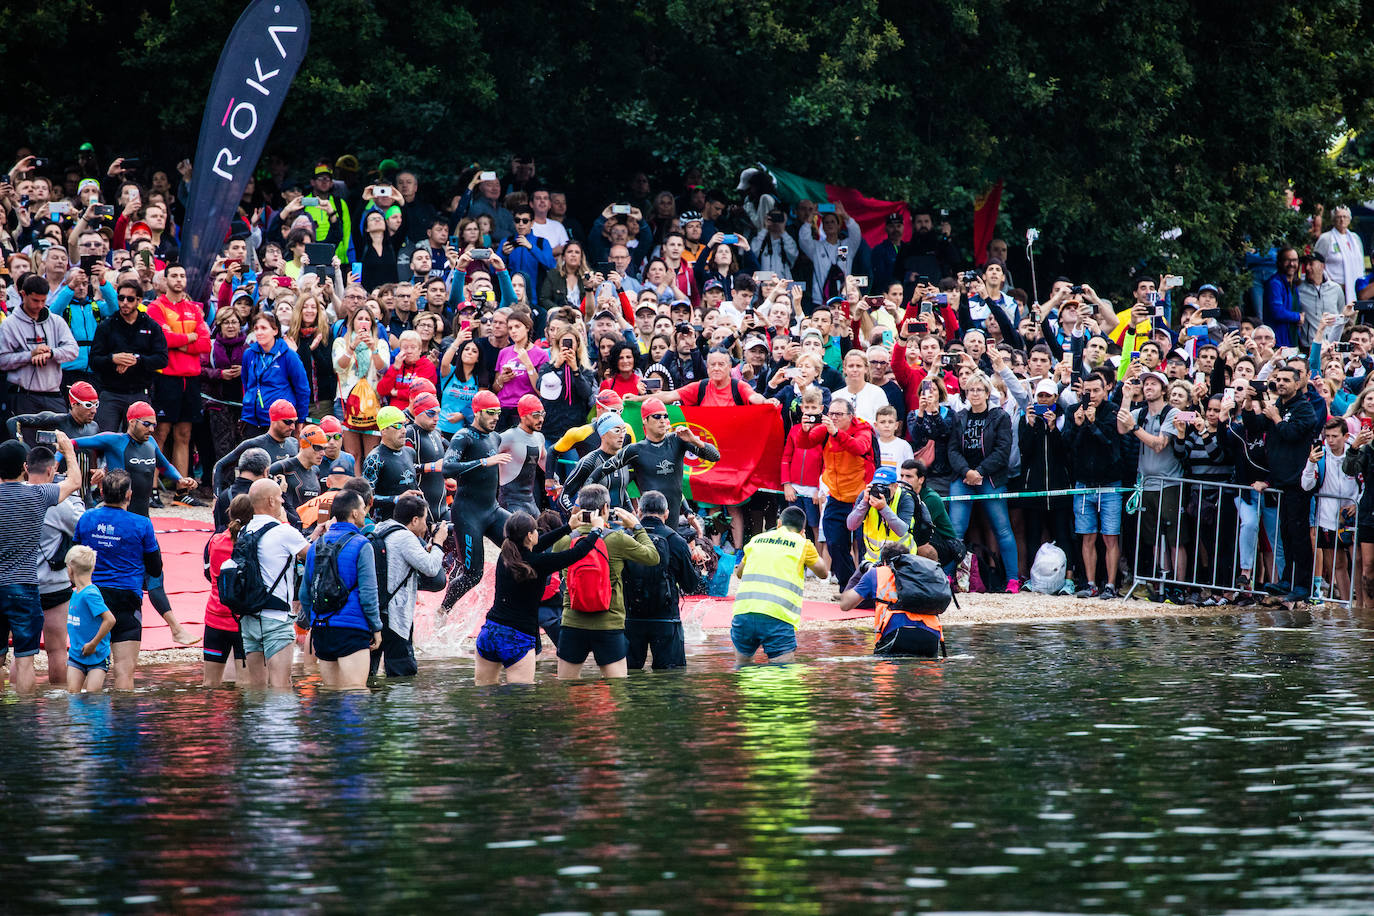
[(589, 580)]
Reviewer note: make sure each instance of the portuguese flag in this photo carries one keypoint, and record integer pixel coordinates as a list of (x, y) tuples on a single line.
[(750, 441), (870, 213)]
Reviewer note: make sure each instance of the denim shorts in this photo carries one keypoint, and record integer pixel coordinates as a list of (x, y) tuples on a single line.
[(267, 635), (749, 631), (21, 617), (1096, 513), (502, 644), (84, 668)]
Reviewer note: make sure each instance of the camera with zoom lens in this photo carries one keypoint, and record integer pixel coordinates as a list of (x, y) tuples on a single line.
[(969, 276)]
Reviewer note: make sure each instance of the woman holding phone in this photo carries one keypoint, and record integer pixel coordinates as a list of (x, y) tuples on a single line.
[(360, 355), (566, 382)]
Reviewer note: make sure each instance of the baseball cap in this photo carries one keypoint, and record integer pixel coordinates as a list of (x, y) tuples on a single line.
[(423, 401), (1208, 288), (83, 391), (745, 177), (894, 218), (653, 406), (138, 227), (528, 404), (1157, 376), (680, 303), (1314, 255), (485, 400), (324, 168), (390, 416), (646, 306), (712, 284), (607, 422), (834, 300), (812, 332), (604, 313), (311, 435), (330, 424), (755, 341), (609, 400), (140, 409), (1047, 386), (87, 183), (282, 409), (885, 475)]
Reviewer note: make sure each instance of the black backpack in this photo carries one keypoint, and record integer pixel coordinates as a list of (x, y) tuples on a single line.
[(735, 386), (649, 591), (328, 591), (240, 578), (379, 551), (922, 586)]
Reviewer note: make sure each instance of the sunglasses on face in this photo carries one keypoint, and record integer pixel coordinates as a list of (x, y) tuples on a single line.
[(333, 437), (148, 424), (522, 219), (431, 413), (490, 410), (658, 416), (128, 298)]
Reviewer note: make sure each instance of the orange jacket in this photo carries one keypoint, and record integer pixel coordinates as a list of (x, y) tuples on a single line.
[(178, 321), (847, 461)]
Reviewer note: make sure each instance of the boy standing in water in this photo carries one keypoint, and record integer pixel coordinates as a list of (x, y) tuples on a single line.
[(89, 623)]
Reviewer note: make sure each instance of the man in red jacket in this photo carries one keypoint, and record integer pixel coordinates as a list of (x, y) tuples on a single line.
[(176, 391)]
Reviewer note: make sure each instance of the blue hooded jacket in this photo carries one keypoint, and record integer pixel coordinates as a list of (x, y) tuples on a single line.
[(272, 375)]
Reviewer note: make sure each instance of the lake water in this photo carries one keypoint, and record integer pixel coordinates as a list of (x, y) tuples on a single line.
[(1188, 765)]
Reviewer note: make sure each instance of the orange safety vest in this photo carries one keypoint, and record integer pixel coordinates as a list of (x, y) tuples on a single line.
[(883, 609)]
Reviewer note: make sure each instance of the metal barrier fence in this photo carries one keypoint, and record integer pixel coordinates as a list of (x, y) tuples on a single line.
[(1210, 535)]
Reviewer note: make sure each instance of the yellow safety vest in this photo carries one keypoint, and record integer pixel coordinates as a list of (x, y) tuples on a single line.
[(877, 534), (773, 575)]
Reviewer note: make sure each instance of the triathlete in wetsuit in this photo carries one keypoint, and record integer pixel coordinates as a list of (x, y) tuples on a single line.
[(430, 447), (391, 466), (76, 423), (301, 473), (277, 442), (334, 455), (474, 457), (592, 468), (525, 444), (136, 452), (584, 438), (656, 462)]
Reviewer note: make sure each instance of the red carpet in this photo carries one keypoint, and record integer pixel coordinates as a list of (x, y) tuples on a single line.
[(183, 545)]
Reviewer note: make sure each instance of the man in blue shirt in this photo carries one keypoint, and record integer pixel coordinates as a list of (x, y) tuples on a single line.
[(343, 641), (525, 252), (126, 551)]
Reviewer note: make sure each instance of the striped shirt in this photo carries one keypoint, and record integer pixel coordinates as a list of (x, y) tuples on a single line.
[(23, 506)]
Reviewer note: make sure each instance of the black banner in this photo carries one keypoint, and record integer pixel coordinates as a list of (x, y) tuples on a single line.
[(256, 67)]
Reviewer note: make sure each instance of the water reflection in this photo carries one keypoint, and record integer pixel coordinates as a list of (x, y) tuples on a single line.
[(1185, 765)]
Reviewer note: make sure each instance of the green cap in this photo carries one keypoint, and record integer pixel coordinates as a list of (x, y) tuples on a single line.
[(390, 416), (388, 165), (87, 147)]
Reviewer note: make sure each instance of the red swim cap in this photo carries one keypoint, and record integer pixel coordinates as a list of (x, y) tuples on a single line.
[(140, 409), (419, 403), (281, 409), (485, 400), (83, 391), (651, 407), (529, 404)]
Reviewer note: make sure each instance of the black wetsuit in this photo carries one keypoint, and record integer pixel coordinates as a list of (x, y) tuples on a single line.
[(518, 493), (302, 485), (592, 469), (475, 512), (658, 466), (227, 466), (391, 472), (430, 446), (49, 419)]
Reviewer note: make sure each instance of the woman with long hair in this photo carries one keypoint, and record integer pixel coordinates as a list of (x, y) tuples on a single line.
[(308, 334), (360, 354), (461, 371), (720, 262), (377, 251), (517, 365), (567, 284), (222, 637), (509, 638)]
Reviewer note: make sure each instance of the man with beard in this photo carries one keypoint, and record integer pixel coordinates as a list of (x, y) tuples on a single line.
[(928, 254)]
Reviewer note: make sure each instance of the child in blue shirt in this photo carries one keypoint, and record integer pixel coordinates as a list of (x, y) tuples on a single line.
[(89, 623)]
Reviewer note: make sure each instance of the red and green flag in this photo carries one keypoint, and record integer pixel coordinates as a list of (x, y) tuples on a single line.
[(985, 208), (750, 440), (870, 213)]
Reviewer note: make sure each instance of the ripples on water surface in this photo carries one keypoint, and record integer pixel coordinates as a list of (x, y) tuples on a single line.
[(1175, 765)]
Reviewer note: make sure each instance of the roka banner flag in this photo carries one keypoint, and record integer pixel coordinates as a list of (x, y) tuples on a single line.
[(750, 440), (256, 67)]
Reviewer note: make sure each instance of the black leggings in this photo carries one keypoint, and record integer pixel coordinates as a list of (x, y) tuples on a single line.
[(471, 525)]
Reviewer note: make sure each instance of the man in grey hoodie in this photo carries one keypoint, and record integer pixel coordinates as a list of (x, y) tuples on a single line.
[(409, 557), (34, 343)]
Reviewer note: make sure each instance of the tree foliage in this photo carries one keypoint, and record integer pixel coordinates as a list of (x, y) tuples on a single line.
[(1109, 123)]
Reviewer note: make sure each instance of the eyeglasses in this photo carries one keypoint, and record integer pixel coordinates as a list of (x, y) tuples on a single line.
[(128, 298), (88, 405), (658, 416)]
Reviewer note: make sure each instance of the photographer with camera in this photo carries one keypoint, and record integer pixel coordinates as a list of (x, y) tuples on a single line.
[(1285, 417), (884, 514), (411, 550)]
